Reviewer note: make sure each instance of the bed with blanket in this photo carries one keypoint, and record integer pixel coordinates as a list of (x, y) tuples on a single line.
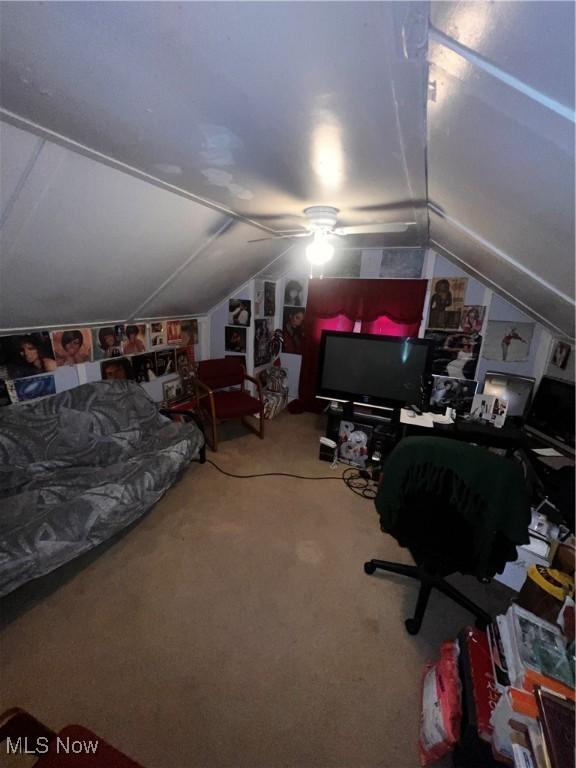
[(77, 467)]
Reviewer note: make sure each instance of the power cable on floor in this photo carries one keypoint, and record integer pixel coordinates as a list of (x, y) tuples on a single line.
[(358, 480)]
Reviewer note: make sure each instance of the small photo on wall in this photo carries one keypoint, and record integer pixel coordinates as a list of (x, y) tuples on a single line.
[(165, 362), (269, 298), (452, 393), (561, 354), (117, 368), (234, 339), (144, 367), (172, 391), (402, 262), (72, 347), (189, 332), (263, 330), (136, 339), (508, 342), (293, 330), (185, 361), (454, 354), (472, 318), (239, 312), (258, 298), (173, 332), (26, 355), (447, 302), (294, 293), (30, 389), (158, 334), (107, 341)]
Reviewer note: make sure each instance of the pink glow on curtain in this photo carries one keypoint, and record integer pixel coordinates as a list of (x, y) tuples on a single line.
[(383, 326), (338, 323)]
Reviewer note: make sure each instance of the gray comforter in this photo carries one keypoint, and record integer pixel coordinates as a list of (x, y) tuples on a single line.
[(77, 467)]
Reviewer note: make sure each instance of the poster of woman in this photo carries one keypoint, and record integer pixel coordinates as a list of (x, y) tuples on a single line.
[(26, 355), (293, 330), (447, 302), (136, 339), (73, 346), (561, 355), (472, 318), (107, 341), (234, 339)]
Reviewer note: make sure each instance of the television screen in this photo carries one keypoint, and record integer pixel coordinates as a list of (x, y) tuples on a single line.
[(366, 368), (552, 413), (516, 390)]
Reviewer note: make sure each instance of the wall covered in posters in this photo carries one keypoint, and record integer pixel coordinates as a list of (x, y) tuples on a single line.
[(41, 362)]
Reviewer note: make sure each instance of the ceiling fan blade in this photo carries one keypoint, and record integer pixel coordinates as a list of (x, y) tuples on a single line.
[(280, 237), (374, 229)]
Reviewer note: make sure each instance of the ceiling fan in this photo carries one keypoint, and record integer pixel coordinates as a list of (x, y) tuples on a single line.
[(321, 225)]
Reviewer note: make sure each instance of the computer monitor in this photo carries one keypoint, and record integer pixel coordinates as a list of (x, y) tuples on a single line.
[(551, 416), (516, 390)]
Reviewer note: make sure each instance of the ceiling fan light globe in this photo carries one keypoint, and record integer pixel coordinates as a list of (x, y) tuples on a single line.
[(319, 252)]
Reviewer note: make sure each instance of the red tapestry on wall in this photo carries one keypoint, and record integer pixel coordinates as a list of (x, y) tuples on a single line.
[(389, 307)]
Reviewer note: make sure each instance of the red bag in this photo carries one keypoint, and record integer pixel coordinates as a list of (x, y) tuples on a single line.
[(441, 706)]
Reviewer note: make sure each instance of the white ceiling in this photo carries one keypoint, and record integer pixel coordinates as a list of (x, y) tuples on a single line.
[(146, 143)]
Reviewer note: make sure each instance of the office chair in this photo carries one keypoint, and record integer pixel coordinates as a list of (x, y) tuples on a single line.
[(221, 395), (457, 508)]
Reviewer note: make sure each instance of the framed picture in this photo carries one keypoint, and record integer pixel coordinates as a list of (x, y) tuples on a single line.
[(294, 293), (172, 390), (263, 330), (402, 262), (239, 312), (269, 299), (173, 332), (472, 318), (119, 368), (189, 332), (136, 339), (489, 408), (234, 339), (107, 341), (165, 362), (293, 330), (508, 341), (454, 354), (144, 367), (72, 347), (448, 392), (561, 354), (447, 302), (26, 354), (157, 334), (354, 443)]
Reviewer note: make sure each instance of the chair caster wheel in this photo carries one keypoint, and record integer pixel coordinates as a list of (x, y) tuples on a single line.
[(369, 568), (412, 627)]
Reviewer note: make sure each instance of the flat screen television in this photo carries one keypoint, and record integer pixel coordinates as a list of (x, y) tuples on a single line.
[(367, 369), (516, 390), (551, 415)]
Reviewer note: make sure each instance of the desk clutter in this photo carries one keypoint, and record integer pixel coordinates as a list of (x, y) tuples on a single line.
[(505, 696)]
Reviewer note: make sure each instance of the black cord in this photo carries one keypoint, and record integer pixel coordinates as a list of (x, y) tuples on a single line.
[(357, 480)]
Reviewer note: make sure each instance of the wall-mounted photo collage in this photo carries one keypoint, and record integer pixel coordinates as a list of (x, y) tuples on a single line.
[(125, 351)]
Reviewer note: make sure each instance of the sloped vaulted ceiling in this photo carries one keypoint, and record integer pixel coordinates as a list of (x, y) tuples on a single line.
[(145, 144)]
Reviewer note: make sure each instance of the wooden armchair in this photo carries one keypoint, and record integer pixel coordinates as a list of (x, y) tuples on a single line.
[(221, 395)]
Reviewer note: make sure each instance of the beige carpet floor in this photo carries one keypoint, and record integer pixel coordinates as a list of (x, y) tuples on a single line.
[(234, 625)]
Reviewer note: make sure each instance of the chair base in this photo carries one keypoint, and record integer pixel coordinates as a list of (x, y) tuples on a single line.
[(428, 582)]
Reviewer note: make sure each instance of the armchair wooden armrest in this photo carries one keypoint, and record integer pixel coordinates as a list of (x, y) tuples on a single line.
[(207, 392), (255, 381)]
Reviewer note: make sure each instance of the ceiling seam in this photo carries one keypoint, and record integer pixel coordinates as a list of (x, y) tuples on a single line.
[(182, 267), (21, 122), (501, 254), (486, 66), (498, 289)]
